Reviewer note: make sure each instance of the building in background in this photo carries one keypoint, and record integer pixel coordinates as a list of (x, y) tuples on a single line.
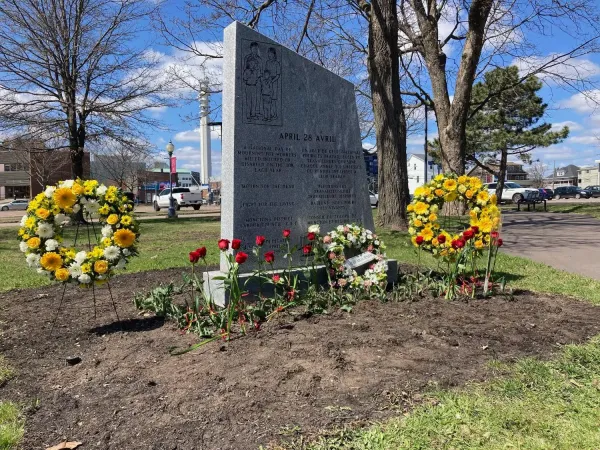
[(24, 174), (370, 156), (563, 176), (416, 171), (589, 175), (514, 173)]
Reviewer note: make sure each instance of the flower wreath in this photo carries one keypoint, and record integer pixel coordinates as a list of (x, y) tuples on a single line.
[(42, 229), (428, 201), (351, 238)]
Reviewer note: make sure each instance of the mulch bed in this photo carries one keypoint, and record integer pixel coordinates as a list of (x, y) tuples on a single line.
[(293, 376)]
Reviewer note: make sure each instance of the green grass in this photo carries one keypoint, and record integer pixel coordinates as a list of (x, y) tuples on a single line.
[(535, 405), (11, 421), (163, 244), (591, 209)]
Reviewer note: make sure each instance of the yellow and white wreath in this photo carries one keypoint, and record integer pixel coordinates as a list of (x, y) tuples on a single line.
[(41, 231), (429, 200)]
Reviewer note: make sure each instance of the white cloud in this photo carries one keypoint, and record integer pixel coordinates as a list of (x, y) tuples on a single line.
[(587, 140), (585, 102), (573, 126), (557, 67), (194, 135)]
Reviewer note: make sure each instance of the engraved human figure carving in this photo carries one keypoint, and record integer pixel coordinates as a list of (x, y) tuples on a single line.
[(274, 69), (252, 79)]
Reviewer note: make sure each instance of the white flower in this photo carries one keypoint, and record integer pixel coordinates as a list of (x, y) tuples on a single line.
[(51, 245), (33, 260), (121, 265), (340, 228), (75, 270), (76, 208), (61, 219), (23, 220), (45, 230), (67, 183), (83, 200), (107, 231), (376, 242), (101, 190), (23, 246), (314, 229), (84, 278), (126, 252), (49, 191), (80, 257), (111, 252)]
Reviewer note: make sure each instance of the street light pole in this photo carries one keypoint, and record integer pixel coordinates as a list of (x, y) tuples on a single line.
[(172, 214)]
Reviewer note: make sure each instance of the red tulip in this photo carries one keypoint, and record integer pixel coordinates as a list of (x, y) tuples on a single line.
[(306, 250), (276, 278), (419, 240), (311, 236), (260, 240), (194, 257), (236, 244), (224, 244), (286, 233), (475, 229), (241, 257), (201, 252), (270, 257), (441, 238), (499, 242), (468, 234)]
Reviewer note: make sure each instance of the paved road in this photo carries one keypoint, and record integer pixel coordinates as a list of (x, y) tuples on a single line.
[(569, 242)]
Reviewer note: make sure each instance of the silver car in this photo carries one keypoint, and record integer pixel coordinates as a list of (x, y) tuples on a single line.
[(15, 204)]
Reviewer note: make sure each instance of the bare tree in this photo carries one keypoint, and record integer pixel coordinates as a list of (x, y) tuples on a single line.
[(121, 164), (537, 173), (70, 73)]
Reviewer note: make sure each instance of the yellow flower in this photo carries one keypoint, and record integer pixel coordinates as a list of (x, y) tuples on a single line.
[(413, 240), (126, 220), (25, 236), (463, 179), (494, 199), (475, 183), (435, 242), (106, 241), (427, 234), (451, 196), (21, 231), (62, 274), (101, 266), (88, 191), (64, 197), (104, 209), (439, 177), (42, 213), (77, 189), (439, 192), (450, 184), (433, 217), (51, 260), (421, 208), (411, 231), (485, 225), (483, 197), (86, 268), (112, 219), (410, 208), (34, 242), (469, 194), (419, 191), (479, 244), (462, 188), (97, 252), (70, 254), (90, 184), (55, 209), (110, 198), (124, 238), (30, 222), (417, 223)]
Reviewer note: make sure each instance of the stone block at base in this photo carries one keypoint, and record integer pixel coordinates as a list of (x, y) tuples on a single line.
[(214, 287)]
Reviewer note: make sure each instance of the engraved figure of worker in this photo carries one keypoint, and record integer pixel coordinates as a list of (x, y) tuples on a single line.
[(274, 68), (252, 81), (254, 60), (266, 88)]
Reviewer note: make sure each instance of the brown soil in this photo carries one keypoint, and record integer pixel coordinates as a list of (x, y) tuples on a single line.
[(293, 376)]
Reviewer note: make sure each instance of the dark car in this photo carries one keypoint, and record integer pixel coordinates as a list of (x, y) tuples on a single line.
[(593, 190), (569, 192), (546, 194)]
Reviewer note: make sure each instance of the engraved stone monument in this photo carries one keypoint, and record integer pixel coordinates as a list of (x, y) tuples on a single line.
[(292, 153)]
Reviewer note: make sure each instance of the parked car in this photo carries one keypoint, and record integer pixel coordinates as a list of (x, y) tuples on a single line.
[(593, 190), (183, 198), (546, 194), (374, 199), (511, 192), (15, 204), (569, 192)]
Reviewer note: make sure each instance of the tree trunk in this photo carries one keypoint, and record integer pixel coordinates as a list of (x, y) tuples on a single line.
[(501, 173), (76, 161), (390, 123)]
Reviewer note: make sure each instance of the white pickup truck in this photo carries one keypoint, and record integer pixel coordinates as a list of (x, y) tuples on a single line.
[(182, 197)]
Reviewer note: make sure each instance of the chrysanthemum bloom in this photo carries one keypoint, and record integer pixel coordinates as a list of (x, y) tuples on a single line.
[(64, 197), (124, 238), (100, 266), (51, 261), (62, 274)]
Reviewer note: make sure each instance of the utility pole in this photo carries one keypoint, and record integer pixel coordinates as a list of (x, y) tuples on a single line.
[(205, 151), (554, 176)]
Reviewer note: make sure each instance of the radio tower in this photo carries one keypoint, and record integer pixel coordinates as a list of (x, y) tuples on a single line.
[(205, 158)]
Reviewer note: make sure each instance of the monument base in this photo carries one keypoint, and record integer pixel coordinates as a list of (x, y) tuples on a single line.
[(215, 287)]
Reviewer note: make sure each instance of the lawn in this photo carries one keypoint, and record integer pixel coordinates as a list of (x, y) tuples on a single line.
[(11, 422), (591, 209), (533, 405)]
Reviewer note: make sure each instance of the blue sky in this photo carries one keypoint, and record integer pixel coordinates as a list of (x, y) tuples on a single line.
[(566, 107)]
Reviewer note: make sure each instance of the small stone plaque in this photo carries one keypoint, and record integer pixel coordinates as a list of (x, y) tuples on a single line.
[(292, 152), (360, 260)]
